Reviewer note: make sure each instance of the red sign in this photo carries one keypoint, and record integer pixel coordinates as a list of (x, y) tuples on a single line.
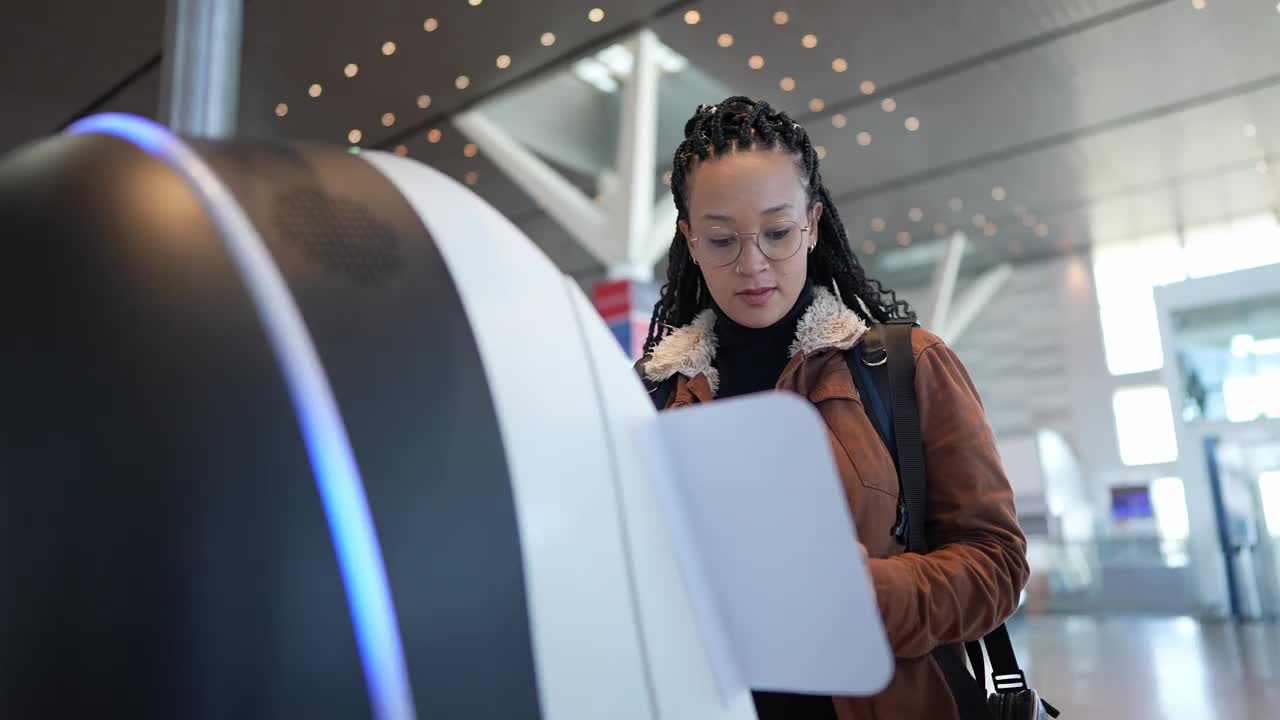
[(612, 299)]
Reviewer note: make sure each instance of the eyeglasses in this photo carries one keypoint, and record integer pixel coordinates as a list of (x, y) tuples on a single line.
[(779, 241)]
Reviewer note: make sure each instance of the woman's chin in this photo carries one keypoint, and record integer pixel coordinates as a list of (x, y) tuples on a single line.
[(754, 314)]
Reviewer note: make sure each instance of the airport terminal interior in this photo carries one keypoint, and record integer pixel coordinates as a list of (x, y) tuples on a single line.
[(1079, 196)]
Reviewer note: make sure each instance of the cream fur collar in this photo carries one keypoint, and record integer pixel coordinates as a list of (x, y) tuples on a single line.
[(690, 350)]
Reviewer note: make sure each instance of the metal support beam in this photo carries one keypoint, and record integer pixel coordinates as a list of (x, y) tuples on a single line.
[(638, 156), (944, 282), (630, 232), (201, 86), (661, 232), (563, 201), (966, 308)]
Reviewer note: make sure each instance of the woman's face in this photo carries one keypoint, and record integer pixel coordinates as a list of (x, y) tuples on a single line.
[(757, 191)]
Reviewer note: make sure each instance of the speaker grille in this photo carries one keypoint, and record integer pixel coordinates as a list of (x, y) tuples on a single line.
[(342, 235)]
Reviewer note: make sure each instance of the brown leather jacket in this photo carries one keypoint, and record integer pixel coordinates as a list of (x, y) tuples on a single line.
[(971, 580)]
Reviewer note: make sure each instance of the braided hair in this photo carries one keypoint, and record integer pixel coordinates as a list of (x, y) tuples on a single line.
[(740, 123)]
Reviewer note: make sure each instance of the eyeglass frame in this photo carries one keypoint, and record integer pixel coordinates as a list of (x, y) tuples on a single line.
[(756, 238)]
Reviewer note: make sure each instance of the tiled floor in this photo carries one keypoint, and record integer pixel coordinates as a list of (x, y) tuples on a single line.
[(1152, 668)]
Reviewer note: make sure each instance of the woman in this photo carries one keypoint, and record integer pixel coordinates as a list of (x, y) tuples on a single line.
[(764, 293)]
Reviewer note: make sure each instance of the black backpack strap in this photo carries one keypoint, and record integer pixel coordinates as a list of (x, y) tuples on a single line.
[(970, 695), (901, 369), (867, 364), (887, 363), (1005, 673)]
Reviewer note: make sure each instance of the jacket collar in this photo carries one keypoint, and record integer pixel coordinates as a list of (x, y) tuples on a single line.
[(691, 350)]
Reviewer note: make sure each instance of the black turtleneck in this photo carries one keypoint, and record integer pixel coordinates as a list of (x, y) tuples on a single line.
[(750, 359)]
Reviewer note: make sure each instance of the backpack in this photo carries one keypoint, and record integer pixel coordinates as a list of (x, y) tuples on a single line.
[(883, 370)]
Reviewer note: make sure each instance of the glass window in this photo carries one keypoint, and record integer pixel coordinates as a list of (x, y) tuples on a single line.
[(1241, 244), (1250, 397), (1269, 486), (1169, 502), (1125, 273), (1144, 425)]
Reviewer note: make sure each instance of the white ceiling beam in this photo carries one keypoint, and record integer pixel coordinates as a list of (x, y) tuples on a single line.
[(971, 303), (578, 214), (943, 287)]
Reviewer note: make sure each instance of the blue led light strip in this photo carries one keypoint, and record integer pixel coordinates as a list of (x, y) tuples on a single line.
[(338, 479)]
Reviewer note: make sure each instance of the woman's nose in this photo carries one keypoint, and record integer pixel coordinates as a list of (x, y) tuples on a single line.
[(752, 260)]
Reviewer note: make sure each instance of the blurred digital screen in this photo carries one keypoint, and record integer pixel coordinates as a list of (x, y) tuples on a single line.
[(1131, 502)]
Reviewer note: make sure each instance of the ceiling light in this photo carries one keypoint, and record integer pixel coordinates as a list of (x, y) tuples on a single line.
[(401, 150), (956, 204), (1199, 4), (388, 119), (817, 105), (282, 109), (781, 17), (315, 90), (839, 120), (503, 62), (912, 123), (725, 40), (864, 138), (821, 152), (693, 17), (424, 101), (388, 48), (867, 87), (979, 221), (839, 64), (877, 224), (548, 39), (354, 136), (470, 150), (1042, 230), (351, 70), (474, 3), (869, 248), (787, 84), (989, 230), (596, 15), (888, 105), (998, 194), (756, 62), (904, 238), (916, 214), (940, 229), (810, 41), (1250, 130), (434, 136), (462, 82), (430, 24), (471, 178)]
